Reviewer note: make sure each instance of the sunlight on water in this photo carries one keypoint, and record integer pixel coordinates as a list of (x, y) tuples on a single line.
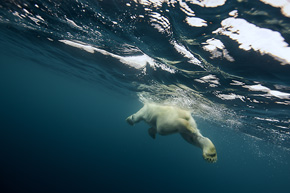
[(227, 62)]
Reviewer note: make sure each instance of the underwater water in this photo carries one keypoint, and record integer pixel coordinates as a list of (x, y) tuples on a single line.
[(71, 72)]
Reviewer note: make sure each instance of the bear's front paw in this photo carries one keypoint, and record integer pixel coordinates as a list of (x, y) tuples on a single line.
[(130, 120), (210, 155)]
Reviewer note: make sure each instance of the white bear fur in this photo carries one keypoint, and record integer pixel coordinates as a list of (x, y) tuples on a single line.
[(165, 120)]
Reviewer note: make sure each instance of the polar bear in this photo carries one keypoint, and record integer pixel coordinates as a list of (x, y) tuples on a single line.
[(165, 120)]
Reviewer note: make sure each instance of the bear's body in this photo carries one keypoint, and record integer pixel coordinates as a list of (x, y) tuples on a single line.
[(166, 120)]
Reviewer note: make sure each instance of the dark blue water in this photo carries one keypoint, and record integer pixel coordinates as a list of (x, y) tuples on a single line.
[(72, 71)]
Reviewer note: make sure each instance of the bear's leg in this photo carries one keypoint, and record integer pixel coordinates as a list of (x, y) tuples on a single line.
[(135, 118), (194, 137), (191, 136), (152, 132)]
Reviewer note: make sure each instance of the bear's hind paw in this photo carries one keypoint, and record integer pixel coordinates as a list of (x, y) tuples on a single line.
[(211, 158)]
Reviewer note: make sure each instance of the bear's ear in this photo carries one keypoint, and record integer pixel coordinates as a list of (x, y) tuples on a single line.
[(152, 132)]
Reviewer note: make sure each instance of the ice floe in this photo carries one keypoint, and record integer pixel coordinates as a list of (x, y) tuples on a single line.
[(217, 49), (202, 3), (159, 22), (231, 96), (195, 22), (250, 36), (207, 3), (185, 8), (234, 13), (212, 80), (154, 3), (138, 62), (182, 50), (271, 93), (283, 4), (72, 23)]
